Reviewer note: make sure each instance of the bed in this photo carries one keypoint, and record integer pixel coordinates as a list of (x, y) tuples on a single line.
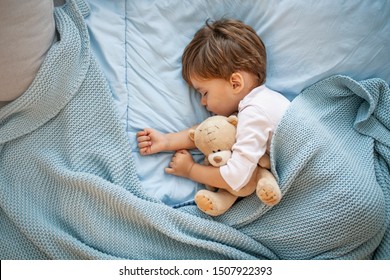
[(93, 196)]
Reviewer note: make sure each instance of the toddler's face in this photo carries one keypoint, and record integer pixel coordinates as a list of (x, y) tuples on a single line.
[(217, 95)]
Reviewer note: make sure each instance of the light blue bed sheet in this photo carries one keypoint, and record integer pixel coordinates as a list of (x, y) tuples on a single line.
[(139, 46)]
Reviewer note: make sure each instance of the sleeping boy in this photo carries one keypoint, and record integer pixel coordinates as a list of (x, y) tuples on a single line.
[(226, 64)]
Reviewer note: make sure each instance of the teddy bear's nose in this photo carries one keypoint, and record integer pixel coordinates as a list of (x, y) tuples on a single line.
[(217, 159)]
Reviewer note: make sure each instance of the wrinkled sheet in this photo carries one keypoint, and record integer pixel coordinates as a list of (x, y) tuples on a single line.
[(139, 46)]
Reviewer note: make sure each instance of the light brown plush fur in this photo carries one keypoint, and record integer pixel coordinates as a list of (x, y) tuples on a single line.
[(215, 137)]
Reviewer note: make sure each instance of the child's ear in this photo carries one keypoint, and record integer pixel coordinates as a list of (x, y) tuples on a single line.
[(237, 82)]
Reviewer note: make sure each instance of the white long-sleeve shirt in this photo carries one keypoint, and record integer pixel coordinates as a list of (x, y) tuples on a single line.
[(258, 115)]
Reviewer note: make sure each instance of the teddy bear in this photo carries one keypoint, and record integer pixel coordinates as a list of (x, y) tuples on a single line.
[(215, 137)]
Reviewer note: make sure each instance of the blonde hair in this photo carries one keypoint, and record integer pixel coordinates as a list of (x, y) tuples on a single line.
[(223, 47)]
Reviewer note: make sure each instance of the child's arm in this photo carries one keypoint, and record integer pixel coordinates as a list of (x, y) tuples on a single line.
[(151, 141), (183, 165)]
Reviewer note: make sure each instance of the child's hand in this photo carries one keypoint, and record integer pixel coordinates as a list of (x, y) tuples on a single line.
[(151, 141), (181, 164)]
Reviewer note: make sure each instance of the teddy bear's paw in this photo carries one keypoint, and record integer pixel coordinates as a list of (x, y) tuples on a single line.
[(268, 192), (214, 203), (204, 203)]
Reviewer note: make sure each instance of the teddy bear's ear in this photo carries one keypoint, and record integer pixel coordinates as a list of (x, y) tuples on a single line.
[(191, 134), (233, 120)]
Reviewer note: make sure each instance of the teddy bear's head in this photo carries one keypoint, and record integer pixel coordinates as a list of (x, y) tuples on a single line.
[(215, 137)]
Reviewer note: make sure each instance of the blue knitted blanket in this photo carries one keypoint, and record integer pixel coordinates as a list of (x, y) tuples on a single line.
[(69, 189)]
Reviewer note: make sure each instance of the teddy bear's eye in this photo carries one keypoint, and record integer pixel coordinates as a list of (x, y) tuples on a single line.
[(217, 151)]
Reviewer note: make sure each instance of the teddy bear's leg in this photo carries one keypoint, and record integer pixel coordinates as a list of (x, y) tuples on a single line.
[(268, 189), (214, 203), (265, 161)]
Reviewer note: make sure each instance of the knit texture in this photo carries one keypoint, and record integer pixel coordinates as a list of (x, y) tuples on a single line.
[(331, 154), (69, 189)]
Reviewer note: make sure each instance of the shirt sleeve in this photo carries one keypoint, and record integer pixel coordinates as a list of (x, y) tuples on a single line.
[(253, 132)]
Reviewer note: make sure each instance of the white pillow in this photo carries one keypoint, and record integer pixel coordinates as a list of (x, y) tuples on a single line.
[(27, 30)]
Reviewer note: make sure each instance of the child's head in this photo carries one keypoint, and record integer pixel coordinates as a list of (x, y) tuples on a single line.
[(221, 48)]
